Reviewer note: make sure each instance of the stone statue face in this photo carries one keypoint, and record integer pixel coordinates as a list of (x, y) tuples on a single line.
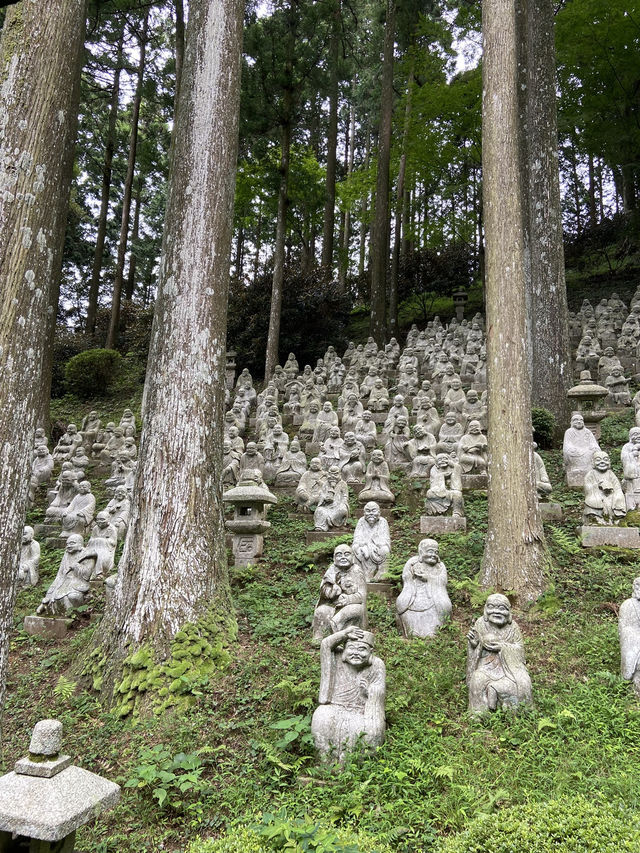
[(42, 451), (102, 519), (252, 448), (226, 446), (314, 407), (456, 384), (39, 432), (577, 421), (474, 428), (27, 535), (366, 416), (450, 418), (327, 406), (120, 493), (601, 461), (75, 543), (497, 610), (401, 422), (377, 457), (419, 431), (334, 432), (295, 446), (428, 551), (357, 653), (634, 436), (349, 439), (426, 385), (343, 556), (472, 396), (442, 461), (314, 465), (72, 429), (371, 512), (398, 400), (118, 432), (233, 431)]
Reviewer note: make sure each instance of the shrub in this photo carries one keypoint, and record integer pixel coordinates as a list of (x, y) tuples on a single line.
[(90, 373), (544, 425), (565, 825)]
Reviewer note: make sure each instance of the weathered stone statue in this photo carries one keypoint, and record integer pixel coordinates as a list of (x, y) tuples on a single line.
[(444, 494), (376, 481), (326, 419), (102, 545), (352, 459), (423, 605), (629, 633), (497, 675), (395, 450), (120, 467), (102, 439), (252, 459), (230, 465), (40, 470), (71, 585), (420, 450), (67, 444), (40, 440), (128, 423), (372, 542), (630, 458), (379, 397), (28, 568), (352, 694), (333, 507), (112, 447), (618, 387), (79, 514), (366, 430), (119, 511), (472, 450), (604, 500), (332, 449), (311, 486), (396, 411), (293, 466), (343, 595), (578, 448), (66, 492), (90, 428), (450, 434), (543, 484)]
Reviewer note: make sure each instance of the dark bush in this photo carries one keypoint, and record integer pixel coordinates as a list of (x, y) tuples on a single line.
[(544, 425), (90, 373)]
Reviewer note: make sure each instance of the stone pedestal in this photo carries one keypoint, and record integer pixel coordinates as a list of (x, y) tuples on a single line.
[(432, 525), (595, 536), (550, 513), (41, 626), (381, 588), (323, 535), (286, 491), (575, 479), (246, 547), (44, 531), (471, 482)]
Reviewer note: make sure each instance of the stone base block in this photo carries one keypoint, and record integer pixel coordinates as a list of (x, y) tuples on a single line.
[(43, 531), (575, 479), (323, 535), (56, 542), (246, 547), (438, 524), (550, 512), (594, 536), (42, 626), (381, 588), (286, 491), (470, 482)]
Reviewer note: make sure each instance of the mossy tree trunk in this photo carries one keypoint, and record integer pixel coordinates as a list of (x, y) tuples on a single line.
[(173, 571), (40, 62), (515, 553)]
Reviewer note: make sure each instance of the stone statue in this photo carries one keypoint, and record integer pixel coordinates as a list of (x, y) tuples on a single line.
[(472, 450), (128, 423), (332, 448), (311, 486), (352, 459), (618, 387), (604, 500), (119, 511), (423, 605), (445, 490), (578, 448), (333, 507), (372, 542), (71, 585), (40, 440), (630, 458), (230, 465), (120, 467), (90, 428), (629, 633), (112, 447), (67, 444), (379, 397), (352, 694), (376, 481), (449, 435), (326, 419), (366, 430), (497, 675), (28, 568), (395, 450), (543, 484), (102, 545), (102, 439), (79, 514), (64, 496), (343, 595), (293, 466), (420, 450), (40, 470), (252, 458)]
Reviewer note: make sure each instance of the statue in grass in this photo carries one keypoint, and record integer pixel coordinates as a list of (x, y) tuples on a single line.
[(28, 568), (343, 595), (497, 675), (423, 606), (372, 542), (629, 633), (71, 585), (604, 500), (630, 458), (333, 505), (352, 695)]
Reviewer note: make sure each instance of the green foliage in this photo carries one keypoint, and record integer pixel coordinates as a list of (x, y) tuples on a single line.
[(303, 835), (175, 782), (295, 730), (544, 425), (566, 825), (615, 429), (92, 372)]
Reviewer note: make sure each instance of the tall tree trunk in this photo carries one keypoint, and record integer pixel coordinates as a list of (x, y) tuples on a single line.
[(179, 47), (239, 252), (576, 186), (593, 209), (514, 552), (364, 210), (551, 356), (41, 51), (379, 248), (135, 231), (173, 571), (258, 242), (109, 149), (397, 236), (628, 187), (332, 144), (346, 218), (114, 322)]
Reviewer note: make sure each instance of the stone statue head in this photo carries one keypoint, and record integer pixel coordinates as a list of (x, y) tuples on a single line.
[(68, 476), (234, 432), (634, 435), (39, 432), (419, 431), (27, 535), (314, 407), (366, 416), (226, 447), (128, 414), (377, 456), (398, 400), (472, 396), (426, 385), (84, 487), (75, 543), (42, 451), (72, 429), (577, 421), (327, 406), (315, 464), (118, 432), (102, 519), (349, 438), (401, 422), (343, 556), (371, 512), (295, 446), (334, 432), (428, 551), (450, 418), (609, 352), (474, 428), (601, 461), (120, 493), (252, 448), (333, 474), (497, 610), (443, 461)]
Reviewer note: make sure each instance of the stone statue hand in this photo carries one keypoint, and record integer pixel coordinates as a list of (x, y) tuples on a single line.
[(354, 633), (364, 687), (492, 645), (341, 600), (473, 637)]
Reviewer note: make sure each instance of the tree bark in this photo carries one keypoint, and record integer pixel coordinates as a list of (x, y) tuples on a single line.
[(40, 62), (379, 248), (114, 322), (332, 144), (94, 287), (364, 209), (346, 224), (551, 357), (514, 552), (593, 209), (173, 570), (135, 231), (179, 47)]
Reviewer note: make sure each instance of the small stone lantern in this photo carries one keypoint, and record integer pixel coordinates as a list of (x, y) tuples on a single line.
[(46, 798), (249, 500), (587, 397), (459, 301)]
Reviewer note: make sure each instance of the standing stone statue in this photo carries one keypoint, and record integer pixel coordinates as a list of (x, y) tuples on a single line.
[(629, 633), (101, 545), (630, 458), (578, 448), (497, 675), (372, 542), (423, 605), (71, 585), (604, 501), (445, 490), (119, 511), (543, 484), (352, 694), (333, 507), (28, 568), (343, 595)]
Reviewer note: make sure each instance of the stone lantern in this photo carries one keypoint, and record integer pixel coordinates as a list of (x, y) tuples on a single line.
[(459, 301), (249, 500), (46, 798), (587, 397)]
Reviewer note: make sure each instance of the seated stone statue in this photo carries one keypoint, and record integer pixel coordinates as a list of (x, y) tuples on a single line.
[(343, 595), (101, 545), (351, 413), (65, 494), (120, 467), (604, 501), (372, 542), (444, 494), (305, 433), (395, 449), (420, 450), (473, 409), (71, 585), (292, 467), (40, 470), (102, 439), (455, 398), (424, 604), (497, 675), (630, 459), (428, 418), (333, 507), (629, 633), (578, 448), (543, 484), (79, 514), (366, 430), (618, 387), (128, 423), (112, 447), (396, 411), (252, 458), (472, 450), (28, 568), (40, 440), (79, 459), (230, 465), (379, 397), (376, 481), (326, 419), (90, 427), (119, 511), (450, 434), (311, 486), (352, 695), (332, 449), (67, 444), (352, 459)]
